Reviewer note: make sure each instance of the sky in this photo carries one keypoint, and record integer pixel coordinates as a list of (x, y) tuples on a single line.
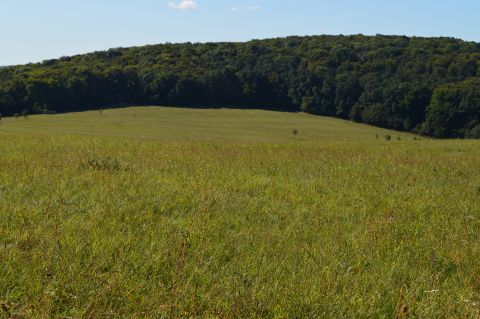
[(35, 30)]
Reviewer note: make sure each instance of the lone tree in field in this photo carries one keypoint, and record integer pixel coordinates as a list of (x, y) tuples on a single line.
[(25, 113), (295, 132)]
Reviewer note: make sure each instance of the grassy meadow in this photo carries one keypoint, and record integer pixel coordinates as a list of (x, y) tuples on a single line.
[(179, 213)]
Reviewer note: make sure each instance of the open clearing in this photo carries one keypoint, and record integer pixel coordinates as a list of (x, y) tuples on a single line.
[(179, 213), (216, 125)]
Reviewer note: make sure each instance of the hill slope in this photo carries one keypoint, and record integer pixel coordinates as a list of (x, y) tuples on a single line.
[(426, 85), (181, 124)]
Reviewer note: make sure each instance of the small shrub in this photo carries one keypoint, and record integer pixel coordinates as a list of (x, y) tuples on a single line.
[(25, 113), (295, 132), (388, 138), (104, 164)]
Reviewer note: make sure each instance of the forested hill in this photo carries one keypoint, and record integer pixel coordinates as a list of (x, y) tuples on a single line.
[(427, 85)]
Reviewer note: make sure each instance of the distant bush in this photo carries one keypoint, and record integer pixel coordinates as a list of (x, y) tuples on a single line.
[(25, 113)]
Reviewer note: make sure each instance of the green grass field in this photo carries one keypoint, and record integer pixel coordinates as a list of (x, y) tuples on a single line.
[(180, 125), (180, 213)]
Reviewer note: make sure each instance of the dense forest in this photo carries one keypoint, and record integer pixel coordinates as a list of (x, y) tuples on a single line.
[(429, 86)]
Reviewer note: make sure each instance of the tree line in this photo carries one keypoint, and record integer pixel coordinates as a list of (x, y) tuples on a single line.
[(429, 86)]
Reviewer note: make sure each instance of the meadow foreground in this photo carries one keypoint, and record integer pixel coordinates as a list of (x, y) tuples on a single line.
[(141, 219)]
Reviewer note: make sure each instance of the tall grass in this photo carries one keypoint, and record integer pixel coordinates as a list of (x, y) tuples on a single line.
[(107, 227)]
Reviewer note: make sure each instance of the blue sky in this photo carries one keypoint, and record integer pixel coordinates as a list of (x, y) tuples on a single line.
[(34, 30)]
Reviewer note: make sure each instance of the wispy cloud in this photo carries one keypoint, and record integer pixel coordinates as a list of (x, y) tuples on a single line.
[(184, 5), (233, 9), (254, 8)]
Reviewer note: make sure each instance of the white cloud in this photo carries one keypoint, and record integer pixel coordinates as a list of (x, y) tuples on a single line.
[(254, 8), (233, 9), (184, 5)]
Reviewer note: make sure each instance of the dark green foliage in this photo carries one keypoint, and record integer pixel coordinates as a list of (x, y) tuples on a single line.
[(474, 133), (455, 110), (423, 85)]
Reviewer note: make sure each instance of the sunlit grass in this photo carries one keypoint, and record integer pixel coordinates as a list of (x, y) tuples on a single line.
[(216, 223), (216, 125)]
